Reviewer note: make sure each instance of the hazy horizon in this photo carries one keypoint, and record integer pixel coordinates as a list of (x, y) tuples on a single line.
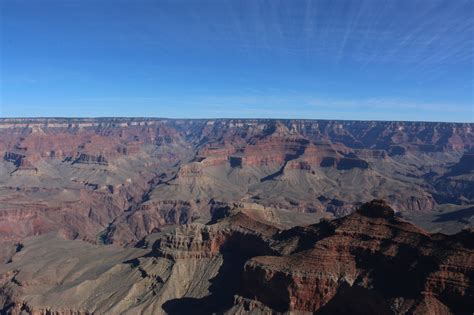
[(226, 118)]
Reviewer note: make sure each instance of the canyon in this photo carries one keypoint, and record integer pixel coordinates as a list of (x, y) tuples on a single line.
[(369, 262), (151, 216)]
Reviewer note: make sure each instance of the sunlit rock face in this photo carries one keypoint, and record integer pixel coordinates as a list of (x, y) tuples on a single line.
[(369, 262), (220, 216), (118, 180)]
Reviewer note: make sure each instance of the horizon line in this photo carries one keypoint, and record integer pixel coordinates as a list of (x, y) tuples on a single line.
[(221, 118)]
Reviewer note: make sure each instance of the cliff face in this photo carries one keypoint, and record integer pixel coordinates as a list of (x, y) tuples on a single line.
[(117, 180), (370, 262)]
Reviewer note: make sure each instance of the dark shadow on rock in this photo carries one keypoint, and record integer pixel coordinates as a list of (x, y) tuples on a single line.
[(355, 300), (288, 157), (235, 252), (222, 290), (456, 215), (351, 163), (274, 175)]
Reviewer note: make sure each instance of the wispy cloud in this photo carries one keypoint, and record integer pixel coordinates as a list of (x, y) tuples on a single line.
[(246, 56)]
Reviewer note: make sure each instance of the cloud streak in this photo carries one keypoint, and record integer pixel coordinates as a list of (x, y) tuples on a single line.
[(377, 58)]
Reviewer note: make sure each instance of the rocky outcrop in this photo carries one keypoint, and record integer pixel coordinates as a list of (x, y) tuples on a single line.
[(412, 202), (237, 234), (190, 170), (83, 158), (109, 172), (369, 262), (150, 217)]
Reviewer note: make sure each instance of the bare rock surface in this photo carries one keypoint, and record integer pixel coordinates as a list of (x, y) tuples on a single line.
[(120, 179), (369, 262), (151, 216)]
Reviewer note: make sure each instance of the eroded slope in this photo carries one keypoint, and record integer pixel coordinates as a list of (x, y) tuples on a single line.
[(369, 262)]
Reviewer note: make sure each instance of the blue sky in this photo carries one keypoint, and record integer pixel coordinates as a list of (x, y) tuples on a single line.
[(367, 59)]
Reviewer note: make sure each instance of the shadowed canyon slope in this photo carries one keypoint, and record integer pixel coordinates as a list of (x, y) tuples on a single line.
[(185, 203), (117, 180), (369, 262)]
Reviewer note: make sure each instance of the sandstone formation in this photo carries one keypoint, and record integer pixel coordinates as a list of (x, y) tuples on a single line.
[(120, 179), (152, 216), (369, 262)]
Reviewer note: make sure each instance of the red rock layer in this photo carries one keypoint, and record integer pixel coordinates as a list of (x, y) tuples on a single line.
[(124, 158), (371, 260)]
